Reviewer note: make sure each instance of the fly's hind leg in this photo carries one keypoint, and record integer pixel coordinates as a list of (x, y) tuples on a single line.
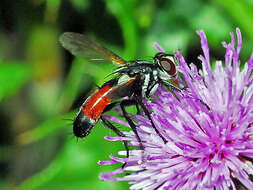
[(108, 124), (146, 111), (123, 105)]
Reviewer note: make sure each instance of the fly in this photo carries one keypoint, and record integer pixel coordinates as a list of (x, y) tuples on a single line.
[(137, 80)]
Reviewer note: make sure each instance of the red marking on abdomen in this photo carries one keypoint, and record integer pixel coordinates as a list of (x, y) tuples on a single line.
[(96, 103)]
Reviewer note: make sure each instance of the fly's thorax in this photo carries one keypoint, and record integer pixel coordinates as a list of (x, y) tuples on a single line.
[(139, 68), (146, 78), (123, 88), (123, 79)]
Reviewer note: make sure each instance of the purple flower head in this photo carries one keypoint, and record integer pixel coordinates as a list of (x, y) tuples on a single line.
[(208, 126)]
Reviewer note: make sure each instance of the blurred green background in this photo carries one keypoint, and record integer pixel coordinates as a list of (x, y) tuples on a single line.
[(42, 85)]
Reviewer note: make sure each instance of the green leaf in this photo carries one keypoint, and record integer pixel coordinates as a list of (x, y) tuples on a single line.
[(13, 75), (45, 129)]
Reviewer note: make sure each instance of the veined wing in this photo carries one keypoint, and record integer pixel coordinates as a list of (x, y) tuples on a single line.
[(82, 46), (122, 89)]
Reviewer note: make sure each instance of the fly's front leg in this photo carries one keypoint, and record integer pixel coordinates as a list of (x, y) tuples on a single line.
[(170, 85), (181, 89)]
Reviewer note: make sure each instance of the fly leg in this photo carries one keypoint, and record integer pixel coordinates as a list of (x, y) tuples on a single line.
[(123, 105), (129, 103), (146, 111), (170, 85), (108, 124)]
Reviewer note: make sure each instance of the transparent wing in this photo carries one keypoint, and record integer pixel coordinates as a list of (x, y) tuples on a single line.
[(121, 90), (82, 46)]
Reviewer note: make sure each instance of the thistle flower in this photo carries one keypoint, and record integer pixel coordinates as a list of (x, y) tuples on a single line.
[(208, 126)]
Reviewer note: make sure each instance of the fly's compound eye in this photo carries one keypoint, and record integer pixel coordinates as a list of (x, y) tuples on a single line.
[(168, 64)]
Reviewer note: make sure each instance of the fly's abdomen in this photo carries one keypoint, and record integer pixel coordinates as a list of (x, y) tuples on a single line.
[(95, 104)]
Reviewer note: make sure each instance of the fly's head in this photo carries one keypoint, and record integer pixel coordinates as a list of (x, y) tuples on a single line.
[(166, 66)]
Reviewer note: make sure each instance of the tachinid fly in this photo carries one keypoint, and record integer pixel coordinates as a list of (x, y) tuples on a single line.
[(136, 80)]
